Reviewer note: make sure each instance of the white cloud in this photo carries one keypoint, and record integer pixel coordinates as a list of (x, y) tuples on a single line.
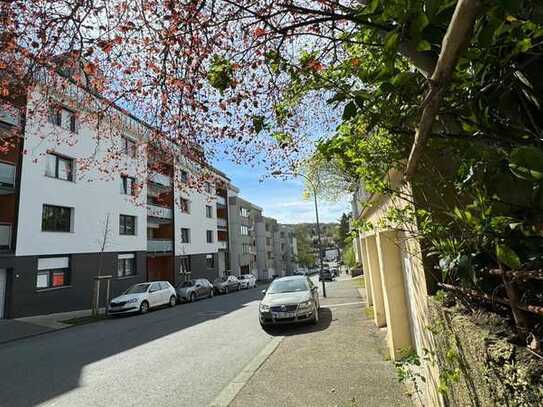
[(301, 211)]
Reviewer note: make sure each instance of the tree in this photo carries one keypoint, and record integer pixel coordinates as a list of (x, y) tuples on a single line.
[(306, 255), (343, 231)]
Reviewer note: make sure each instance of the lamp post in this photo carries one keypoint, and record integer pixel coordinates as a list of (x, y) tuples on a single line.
[(279, 173)]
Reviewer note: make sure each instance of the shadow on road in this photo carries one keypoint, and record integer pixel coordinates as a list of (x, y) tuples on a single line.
[(325, 318), (48, 366)]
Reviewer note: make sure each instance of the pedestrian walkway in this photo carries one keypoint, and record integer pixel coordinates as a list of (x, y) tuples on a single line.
[(339, 362), (15, 329)]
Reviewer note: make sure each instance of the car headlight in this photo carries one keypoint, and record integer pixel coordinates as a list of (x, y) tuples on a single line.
[(305, 304), (132, 300), (264, 307)]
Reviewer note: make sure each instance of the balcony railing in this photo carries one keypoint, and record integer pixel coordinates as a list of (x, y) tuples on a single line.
[(159, 212), (222, 244), (222, 223), (7, 175), (161, 179), (5, 235), (221, 201), (159, 245)]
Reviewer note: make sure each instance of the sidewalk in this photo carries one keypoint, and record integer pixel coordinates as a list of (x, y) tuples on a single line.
[(20, 328), (339, 362)]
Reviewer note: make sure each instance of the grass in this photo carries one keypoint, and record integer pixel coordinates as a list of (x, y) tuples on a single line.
[(359, 282), (83, 320), (368, 311)]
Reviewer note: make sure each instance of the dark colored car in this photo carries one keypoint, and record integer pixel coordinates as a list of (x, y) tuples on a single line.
[(226, 284), (326, 275), (192, 290)]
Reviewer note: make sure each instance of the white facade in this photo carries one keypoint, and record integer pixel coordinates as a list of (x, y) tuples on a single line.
[(93, 194)]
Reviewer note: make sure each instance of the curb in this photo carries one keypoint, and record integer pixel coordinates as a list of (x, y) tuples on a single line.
[(231, 390), (21, 338)]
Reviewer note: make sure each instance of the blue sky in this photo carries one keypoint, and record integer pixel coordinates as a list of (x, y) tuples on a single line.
[(282, 200)]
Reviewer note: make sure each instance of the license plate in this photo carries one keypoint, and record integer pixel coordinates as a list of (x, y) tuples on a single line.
[(280, 315)]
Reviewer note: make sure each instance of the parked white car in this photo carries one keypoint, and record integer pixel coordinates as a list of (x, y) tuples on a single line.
[(247, 281), (142, 297)]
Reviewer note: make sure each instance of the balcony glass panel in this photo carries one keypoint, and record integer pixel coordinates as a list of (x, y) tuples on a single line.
[(7, 174)]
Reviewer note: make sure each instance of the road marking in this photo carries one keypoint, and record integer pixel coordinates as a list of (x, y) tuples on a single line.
[(342, 305), (228, 394)]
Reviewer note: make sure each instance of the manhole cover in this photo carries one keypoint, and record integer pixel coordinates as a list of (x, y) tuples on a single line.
[(211, 313)]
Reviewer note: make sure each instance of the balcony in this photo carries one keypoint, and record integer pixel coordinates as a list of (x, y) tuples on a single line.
[(222, 244), (5, 236), (7, 175), (160, 179), (159, 212), (222, 223), (221, 201), (159, 245)]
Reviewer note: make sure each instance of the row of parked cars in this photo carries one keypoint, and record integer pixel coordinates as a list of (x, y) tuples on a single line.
[(144, 296)]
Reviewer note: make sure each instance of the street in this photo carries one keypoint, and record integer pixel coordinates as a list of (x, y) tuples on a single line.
[(181, 356)]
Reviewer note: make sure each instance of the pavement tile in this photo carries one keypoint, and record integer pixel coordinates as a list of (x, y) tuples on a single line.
[(339, 362)]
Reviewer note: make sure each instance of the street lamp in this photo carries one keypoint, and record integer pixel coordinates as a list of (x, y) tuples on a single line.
[(279, 173)]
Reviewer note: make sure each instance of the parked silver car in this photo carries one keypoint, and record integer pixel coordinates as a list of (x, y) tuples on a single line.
[(289, 300), (226, 284), (192, 290)]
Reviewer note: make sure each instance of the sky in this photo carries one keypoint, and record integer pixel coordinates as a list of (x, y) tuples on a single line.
[(282, 200)]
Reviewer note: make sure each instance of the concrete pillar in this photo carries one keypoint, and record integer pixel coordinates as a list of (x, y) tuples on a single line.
[(365, 266), (395, 301), (375, 279)]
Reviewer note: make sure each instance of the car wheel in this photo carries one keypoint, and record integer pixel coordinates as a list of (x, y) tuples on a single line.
[(173, 301), (144, 307), (192, 297), (210, 294), (239, 287)]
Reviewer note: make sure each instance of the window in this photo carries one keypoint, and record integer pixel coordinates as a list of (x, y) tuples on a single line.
[(210, 261), (244, 230), (209, 236), (126, 265), (127, 225), (53, 272), (282, 234), (269, 255), (268, 241), (185, 235), (209, 211), (282, 247), (184, 176), (184, 204), (56, 219), (155, 287), (244, 212), (127, 185), (207, 187), (62, 117), (267, 227), (185, 265), (59, 167), (128, 147)]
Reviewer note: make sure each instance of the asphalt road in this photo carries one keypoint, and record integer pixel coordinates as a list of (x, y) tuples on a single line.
[(181, 356)]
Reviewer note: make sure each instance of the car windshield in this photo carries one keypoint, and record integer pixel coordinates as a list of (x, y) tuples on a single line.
[(288, 286), (137, 289), (185, 284)]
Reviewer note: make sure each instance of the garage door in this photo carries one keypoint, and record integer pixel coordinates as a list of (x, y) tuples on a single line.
[(3, 276)]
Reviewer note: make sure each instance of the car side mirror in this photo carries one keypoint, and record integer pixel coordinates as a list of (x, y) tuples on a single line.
[(263, 291)]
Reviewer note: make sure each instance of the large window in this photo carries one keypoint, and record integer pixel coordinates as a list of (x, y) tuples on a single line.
[(56, 219), (185, 265), (128, 147), (209, 211), (184, 204), (243, 212), (244, 230), (53, 272), (126, 265), (62, 117), (184, 176), (207, 187), (59, 167), (209, 236), (268, 241), (185, 235), (127, 225), (210, 261), (127, 185)]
